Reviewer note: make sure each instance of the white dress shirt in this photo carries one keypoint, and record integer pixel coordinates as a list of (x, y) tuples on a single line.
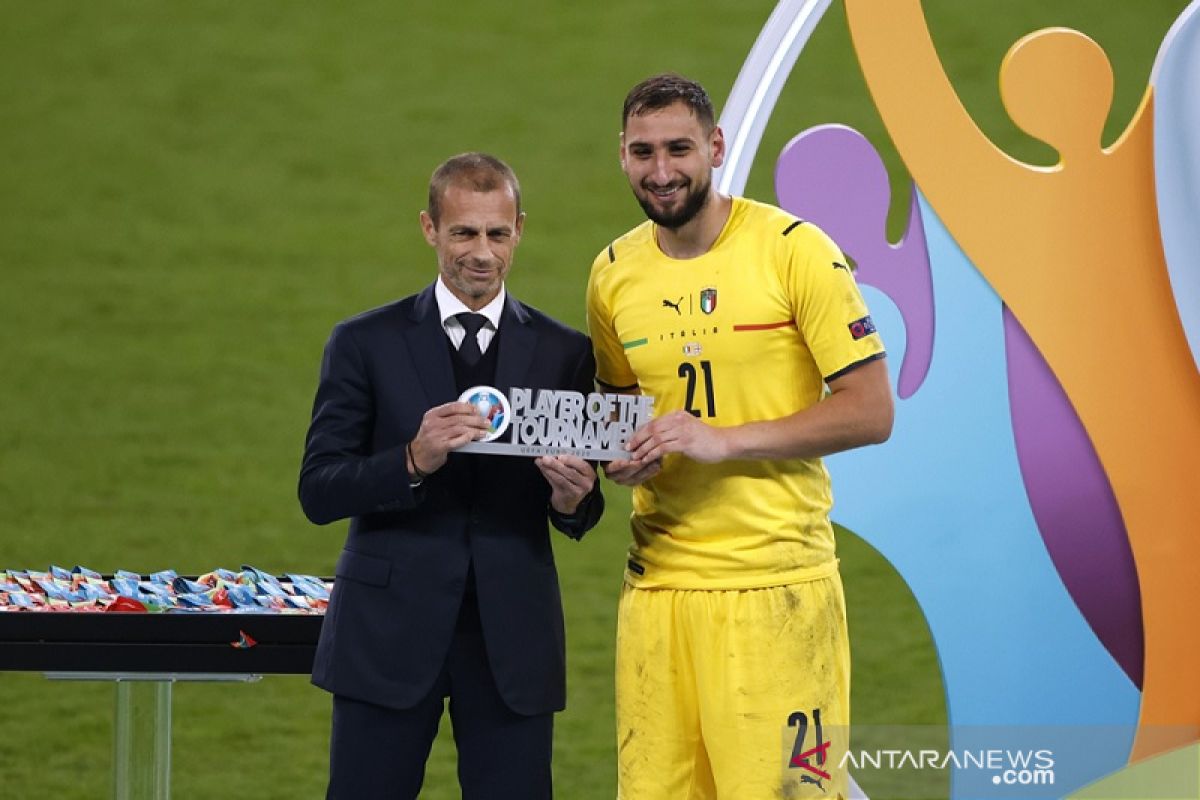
[(449, 305)]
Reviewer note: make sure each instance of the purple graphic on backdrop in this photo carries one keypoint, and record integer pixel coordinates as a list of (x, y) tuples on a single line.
[(833, 176), (1073, 503)]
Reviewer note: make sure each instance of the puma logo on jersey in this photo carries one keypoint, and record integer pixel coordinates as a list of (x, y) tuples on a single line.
[(675, 305)]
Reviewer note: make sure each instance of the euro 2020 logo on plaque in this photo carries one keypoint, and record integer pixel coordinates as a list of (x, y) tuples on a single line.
[(549, 422), (492, 406)]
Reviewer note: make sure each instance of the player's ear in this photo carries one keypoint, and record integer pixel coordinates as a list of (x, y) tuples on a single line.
[(429, 228), (621, 152), (716, 146)]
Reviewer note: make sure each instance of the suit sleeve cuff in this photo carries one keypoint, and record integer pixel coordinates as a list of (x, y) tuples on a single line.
[(585, 516)]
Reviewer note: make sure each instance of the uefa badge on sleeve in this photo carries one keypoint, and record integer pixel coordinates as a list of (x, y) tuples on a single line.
[(862, 328)]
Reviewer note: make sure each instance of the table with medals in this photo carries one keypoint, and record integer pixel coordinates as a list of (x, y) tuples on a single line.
[(146, 633)]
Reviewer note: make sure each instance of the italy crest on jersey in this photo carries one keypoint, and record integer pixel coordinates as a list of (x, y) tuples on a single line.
[(708, 299)]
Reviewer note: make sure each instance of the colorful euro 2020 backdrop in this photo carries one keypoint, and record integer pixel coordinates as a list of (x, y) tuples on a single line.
[(195, 193), (1044, 330)]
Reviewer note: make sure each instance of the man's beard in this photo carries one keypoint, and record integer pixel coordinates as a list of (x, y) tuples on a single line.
[(458, 276), (692, 206)]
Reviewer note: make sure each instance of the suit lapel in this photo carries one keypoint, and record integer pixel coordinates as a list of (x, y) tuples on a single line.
[(517, 343), (430, 353)]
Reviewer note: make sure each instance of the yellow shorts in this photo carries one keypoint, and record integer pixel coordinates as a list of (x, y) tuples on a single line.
[(736, 695)]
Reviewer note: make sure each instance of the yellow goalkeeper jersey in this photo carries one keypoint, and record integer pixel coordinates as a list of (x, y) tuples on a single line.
[(749, 331)]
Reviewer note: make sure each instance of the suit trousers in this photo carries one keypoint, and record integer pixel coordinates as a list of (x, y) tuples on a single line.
[(378, 752)]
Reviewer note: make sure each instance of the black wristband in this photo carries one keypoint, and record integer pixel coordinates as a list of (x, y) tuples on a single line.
[(413, 460)]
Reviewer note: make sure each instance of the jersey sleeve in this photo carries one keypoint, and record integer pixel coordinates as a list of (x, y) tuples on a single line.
[(829, 308), (612, 368)]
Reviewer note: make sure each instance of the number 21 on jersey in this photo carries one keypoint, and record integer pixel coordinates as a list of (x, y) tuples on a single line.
[(687, 370)]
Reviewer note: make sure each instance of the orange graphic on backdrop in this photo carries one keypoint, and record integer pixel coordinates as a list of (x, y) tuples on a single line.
[(1074, 251)]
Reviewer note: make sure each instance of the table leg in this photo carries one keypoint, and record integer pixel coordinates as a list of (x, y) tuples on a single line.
[(142, 741), (142, 726)]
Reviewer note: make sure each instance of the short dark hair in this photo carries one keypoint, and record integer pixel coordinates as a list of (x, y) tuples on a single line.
[(663, 90), (478, 172)]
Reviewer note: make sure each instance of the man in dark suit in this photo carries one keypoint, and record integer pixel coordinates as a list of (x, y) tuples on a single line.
[(446, 586)]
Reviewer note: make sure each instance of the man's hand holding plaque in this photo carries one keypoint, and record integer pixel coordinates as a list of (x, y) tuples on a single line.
[(443, 428), (570, 478)]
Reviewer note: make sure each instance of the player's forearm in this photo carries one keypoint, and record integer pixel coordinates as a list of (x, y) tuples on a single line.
[(818, 431), (858, 412)]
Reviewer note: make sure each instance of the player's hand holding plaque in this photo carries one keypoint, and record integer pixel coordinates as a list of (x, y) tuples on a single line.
[(550, 422)]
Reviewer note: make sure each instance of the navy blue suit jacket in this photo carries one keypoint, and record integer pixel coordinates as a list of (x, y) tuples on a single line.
[(401, 575)]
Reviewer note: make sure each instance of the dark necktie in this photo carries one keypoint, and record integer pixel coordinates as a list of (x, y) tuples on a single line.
[(469, 349)]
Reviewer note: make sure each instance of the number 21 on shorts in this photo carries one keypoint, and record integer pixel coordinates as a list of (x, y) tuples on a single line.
[(810, 761)]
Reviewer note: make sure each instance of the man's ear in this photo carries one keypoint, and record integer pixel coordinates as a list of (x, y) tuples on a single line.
[(520, 228), (429, 228), (716, 145), (621, 151)]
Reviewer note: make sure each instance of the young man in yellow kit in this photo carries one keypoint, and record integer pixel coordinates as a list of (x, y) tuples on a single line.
[(746, 326)]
